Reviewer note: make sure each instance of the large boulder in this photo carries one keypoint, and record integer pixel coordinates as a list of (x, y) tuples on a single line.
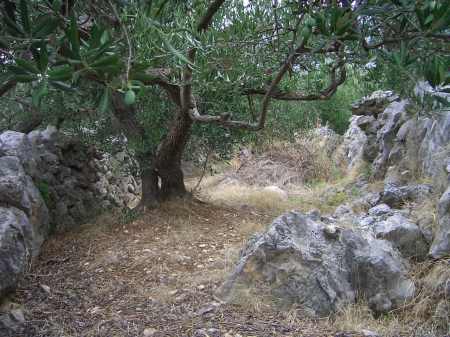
[(321, 267), (16, 242), (441, 243)]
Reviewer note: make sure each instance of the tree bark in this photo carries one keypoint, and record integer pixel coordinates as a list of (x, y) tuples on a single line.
[(150, 188), (169, 154)]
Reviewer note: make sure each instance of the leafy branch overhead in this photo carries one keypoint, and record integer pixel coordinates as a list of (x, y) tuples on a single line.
[(54, 47)]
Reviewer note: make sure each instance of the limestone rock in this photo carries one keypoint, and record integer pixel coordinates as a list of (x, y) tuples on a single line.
[(391, 120), (354, 144), (16, 241), (374, 103), (434, 152), (404, 235), (18, 145), (300, 262), (18, 190), (379, 210), (395, 196)]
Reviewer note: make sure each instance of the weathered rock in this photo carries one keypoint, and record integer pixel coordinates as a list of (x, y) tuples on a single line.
[(396, 196), (18, 190), (353, 146), (373, 104), (379, 210), (17, 144), (441, 243), (342, 210), (434, 152), (391, 120), (16, 242), (404, 235), (302, 261), (378, 272)]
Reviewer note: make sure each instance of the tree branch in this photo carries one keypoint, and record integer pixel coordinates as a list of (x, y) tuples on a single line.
[(272, 92), (324, 94), (206, 20), (5, 87)]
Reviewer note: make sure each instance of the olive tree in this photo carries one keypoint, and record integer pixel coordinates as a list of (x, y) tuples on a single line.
[(218, 62)]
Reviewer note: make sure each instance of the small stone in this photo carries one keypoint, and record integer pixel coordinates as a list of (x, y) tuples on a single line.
[(379, 210), (18, 315), (94, 310), (201, 287), (331, 231), (213, 332), (181, 298), (46, 289), (173, 292), (369, 333), (149, 332)]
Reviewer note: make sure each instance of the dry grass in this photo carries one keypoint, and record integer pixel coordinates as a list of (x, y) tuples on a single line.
[(323, 196), (427, 315), (285, 164), (430, 309), (359, 317)]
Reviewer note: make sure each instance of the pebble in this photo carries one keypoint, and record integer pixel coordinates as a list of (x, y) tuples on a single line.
[(46, 288), (149, 332)]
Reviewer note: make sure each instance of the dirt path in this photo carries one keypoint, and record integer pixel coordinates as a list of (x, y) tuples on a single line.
[(155, 276)]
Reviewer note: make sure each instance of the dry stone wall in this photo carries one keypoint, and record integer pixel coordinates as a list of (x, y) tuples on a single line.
[(50, 181)]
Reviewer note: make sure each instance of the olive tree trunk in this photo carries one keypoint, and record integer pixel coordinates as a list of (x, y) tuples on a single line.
[(161, 174)]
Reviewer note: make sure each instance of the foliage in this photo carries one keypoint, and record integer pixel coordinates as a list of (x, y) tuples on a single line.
[(70, 62)]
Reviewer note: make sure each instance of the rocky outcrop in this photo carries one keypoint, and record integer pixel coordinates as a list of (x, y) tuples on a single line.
[(52, 181), (399, 147), (322, 267), (396, 144), (362, 140)]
